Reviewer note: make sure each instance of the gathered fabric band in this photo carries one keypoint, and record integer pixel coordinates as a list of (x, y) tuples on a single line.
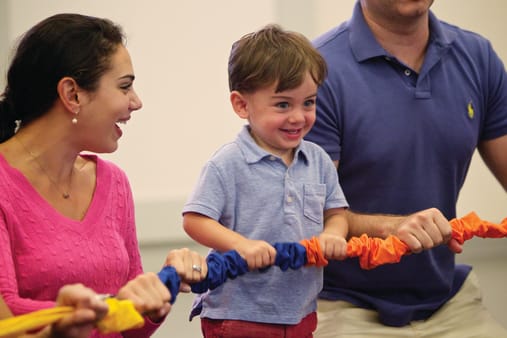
[(371, 252)]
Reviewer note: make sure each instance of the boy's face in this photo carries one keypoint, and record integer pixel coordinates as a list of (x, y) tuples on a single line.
[(279, 121)]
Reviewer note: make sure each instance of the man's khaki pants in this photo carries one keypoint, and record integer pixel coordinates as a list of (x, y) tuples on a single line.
[(463, 316)]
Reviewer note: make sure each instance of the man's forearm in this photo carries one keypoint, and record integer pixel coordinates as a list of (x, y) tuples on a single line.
[(374, 225)]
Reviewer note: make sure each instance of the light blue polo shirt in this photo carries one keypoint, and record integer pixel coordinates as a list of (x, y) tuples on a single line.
[(252, 192), (405, 141)]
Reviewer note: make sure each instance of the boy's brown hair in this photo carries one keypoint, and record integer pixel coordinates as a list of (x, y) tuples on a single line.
[(273, 55)]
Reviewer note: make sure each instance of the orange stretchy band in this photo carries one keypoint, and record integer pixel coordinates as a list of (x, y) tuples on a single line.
[(373, 252), (314, 253)]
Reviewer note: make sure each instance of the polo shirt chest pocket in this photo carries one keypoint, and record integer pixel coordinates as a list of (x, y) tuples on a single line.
[(314, 199)]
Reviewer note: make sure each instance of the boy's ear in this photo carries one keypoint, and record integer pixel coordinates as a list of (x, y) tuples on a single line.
[(239, 104), (68, 93)]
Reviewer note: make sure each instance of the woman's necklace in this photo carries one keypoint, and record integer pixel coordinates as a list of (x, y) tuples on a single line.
[(65, 194)]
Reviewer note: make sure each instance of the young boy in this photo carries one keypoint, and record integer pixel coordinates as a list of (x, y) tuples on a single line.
[(268, 186)]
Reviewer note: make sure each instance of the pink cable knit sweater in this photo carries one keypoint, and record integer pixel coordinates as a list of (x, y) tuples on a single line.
[(41, 250)]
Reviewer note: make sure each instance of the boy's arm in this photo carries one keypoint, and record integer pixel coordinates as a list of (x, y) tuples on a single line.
[(210, 233), (333, 238)]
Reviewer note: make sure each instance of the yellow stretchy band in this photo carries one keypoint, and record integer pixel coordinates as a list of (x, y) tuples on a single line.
[(121, 316)]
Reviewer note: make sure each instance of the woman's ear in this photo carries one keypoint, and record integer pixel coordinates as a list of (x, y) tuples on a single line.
[(239, 104), (68, 93)]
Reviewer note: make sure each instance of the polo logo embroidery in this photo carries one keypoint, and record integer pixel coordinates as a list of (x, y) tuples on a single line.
[(471, 111)]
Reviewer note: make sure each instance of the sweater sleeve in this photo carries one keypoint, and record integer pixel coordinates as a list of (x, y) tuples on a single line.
[(8, 279)]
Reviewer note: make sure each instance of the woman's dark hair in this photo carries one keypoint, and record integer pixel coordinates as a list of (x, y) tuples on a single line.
[(73, 45)]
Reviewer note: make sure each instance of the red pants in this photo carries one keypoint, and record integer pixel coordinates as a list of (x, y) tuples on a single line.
[(213, 328)]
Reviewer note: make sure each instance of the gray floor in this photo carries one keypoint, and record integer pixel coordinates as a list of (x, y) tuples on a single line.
[(488, 256)]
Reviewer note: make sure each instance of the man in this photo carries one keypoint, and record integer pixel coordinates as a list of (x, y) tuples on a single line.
[(407, 100)]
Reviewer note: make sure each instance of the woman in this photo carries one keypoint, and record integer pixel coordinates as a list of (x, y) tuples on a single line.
[(90, 307), (68, 217)]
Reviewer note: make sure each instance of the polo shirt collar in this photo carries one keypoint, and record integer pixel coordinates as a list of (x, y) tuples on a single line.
[(253, 153), (364, 45), (440, 33)]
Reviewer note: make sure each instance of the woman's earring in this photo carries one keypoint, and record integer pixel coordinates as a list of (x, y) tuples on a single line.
[(74, 119)]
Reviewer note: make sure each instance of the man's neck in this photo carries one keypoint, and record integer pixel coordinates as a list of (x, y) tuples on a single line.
[(407, 41)]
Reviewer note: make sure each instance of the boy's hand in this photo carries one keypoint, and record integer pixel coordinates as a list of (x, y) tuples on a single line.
[(333, 246), (258, 254)]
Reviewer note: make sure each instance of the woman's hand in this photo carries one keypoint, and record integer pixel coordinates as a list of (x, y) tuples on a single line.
[(149, 295), (88, 310), (190, 266)]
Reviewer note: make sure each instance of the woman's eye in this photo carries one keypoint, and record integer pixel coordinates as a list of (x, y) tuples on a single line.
[(126, 86)]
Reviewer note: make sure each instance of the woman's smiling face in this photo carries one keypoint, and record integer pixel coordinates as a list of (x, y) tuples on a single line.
[(112, 103)]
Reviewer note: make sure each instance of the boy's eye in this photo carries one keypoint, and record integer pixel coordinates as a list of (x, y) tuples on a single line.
[(282, 105), (309, 103)]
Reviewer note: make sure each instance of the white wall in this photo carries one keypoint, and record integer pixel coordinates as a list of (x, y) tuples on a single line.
[(481, 192), (180, 52)]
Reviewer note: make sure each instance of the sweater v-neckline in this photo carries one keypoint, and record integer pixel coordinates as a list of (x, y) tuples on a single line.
[(93, 210)]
